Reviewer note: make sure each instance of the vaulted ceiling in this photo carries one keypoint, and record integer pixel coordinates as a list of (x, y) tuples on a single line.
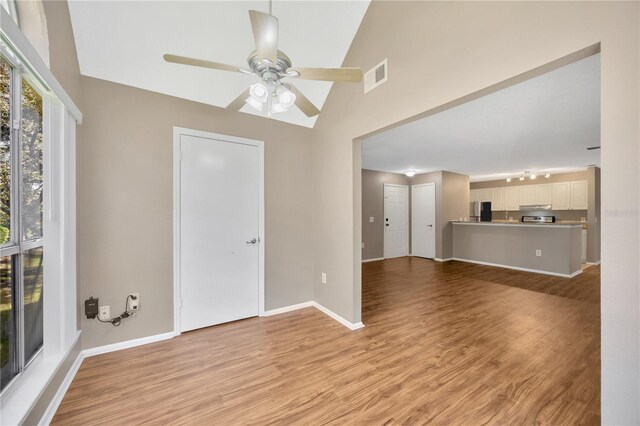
[(123, 42)]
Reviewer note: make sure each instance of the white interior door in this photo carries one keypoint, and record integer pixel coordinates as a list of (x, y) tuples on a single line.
[(396, 220), (219, 230), (423, 220)]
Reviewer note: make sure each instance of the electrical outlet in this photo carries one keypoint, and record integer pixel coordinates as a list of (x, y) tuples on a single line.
[(105, 313), (362, 245), (133, 302), (538, 253), (324, 278)]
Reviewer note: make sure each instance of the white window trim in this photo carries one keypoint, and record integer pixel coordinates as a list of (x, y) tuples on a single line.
[(59, 227), (11, 35)]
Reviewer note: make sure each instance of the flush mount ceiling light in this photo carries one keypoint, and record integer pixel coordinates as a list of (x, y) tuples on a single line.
[(271, 66), (410, 173)]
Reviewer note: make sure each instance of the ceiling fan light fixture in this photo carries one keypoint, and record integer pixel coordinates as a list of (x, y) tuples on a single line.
[(508, 179), (256, 104), (532, 177), (277, 107), (259, 92), (547, 175), (285, 96), (521, 178)]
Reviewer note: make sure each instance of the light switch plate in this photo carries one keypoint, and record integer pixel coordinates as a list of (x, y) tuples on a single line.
[(371, 219)]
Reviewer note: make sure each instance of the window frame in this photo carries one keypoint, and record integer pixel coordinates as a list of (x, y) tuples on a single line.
[(16, 246)]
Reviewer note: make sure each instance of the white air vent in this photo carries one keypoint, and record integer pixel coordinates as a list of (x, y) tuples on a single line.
[(376, 76)]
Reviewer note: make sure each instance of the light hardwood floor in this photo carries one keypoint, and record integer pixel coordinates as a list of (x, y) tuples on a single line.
[(450, 343)]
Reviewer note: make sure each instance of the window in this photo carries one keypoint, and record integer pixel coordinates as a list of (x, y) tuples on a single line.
[(21, 222)]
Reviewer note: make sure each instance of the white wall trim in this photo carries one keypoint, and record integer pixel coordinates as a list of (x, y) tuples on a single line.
[(373, 260), (350, 325), (437, 259), (127, 344), (285, 309), (47, 417), (516, 268), (177, 132), (593, 263)]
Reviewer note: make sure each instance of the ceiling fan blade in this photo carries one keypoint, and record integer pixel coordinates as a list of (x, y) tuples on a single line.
[(349, 75), (303, 103), (239, 102), (265, 34), (199, 63)]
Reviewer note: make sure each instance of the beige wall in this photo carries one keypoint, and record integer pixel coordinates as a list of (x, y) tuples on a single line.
[(373, 206), (455, 205), (125, 203), (464, 48), (593, 215)]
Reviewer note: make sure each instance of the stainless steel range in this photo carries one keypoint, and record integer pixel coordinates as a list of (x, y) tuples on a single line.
[(538, 219)]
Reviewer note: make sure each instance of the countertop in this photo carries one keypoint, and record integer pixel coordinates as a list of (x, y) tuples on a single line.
[(519, 224)]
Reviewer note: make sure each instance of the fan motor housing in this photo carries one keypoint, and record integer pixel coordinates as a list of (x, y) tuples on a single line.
[(267, 70)]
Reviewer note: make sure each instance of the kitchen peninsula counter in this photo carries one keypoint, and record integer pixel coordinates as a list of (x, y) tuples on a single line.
[(553, 249)]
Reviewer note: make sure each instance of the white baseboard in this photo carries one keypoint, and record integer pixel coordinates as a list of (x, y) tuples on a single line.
[(372, 260), (437, 259), (593, 263), (47, 417), (516, 268), (350, 325), (127, 344), (287, 309)]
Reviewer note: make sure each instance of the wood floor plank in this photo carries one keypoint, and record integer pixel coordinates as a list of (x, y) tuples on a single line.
[(444, 343)]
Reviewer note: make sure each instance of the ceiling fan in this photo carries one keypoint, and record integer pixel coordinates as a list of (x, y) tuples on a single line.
[(271, 94)]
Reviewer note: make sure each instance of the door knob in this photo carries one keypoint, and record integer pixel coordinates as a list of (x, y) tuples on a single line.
[(430, 226), (386, 224), (252, 241)]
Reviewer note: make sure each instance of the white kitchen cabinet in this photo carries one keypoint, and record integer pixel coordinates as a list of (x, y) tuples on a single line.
[(484, 194), (497, 199), (473, 195), (579, 195), (512, 198), (527, 197), (584, 245), (561, 196), (542, 193)]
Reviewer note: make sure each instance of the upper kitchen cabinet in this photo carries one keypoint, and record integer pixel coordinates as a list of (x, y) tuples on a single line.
[(579, 195), (484, 194), (542, 194), (473, 195), (497, 199), (570, 195), (527, 196), (561, 196), (512, 198)]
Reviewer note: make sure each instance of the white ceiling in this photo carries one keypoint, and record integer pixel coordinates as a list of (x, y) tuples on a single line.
[(543, 124), (123, 42)]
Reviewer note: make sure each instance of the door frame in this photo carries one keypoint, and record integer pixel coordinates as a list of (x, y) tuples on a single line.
[(177, 132), (384, 215), (435, 218)]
